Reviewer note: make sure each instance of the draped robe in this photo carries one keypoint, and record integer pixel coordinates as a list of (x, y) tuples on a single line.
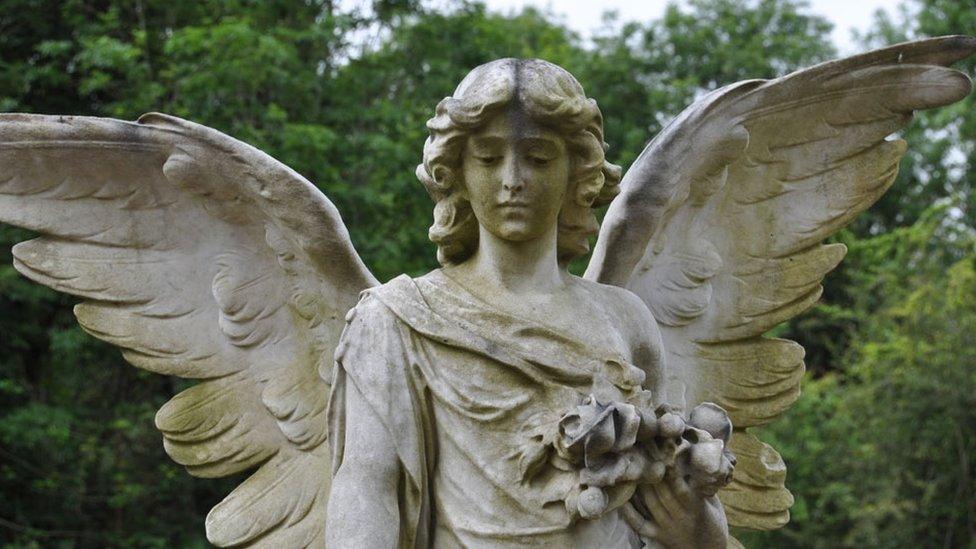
[(470, 396)]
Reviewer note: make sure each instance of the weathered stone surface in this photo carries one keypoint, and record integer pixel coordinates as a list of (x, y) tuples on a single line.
[(499, 400)]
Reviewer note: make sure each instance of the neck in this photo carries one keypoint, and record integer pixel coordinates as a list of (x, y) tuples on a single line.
[(518, 267)]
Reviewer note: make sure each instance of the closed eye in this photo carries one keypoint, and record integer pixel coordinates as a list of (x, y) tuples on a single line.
[(488, 160), (539, 160)]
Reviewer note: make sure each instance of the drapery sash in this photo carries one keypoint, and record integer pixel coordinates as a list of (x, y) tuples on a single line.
[(442, 310)]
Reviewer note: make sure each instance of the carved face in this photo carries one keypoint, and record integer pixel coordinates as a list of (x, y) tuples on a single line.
[(516, 175)]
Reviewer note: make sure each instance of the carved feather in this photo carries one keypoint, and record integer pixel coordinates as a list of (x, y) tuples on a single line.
[(720, 223), (204, 258)]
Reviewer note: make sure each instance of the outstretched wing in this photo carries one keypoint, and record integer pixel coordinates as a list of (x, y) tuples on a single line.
[(204, 258), (720, 224)]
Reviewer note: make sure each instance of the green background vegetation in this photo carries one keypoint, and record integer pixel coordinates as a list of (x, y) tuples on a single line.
[(881, 446)]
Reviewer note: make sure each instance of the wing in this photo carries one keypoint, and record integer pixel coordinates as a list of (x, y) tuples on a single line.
[(204, 258), (721, 221)]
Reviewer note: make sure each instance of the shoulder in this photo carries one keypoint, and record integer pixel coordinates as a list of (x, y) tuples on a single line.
[(372, 344), (368, 308), (620, 301), (625, 308), (392, 307), (371, 318), (373, 301)]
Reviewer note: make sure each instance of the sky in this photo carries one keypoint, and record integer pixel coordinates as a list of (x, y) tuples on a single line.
[(584, 15)]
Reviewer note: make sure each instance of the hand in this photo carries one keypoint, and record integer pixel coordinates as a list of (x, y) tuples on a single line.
[(682, 517)]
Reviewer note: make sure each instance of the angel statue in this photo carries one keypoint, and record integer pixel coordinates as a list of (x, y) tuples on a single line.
[(499, 400)]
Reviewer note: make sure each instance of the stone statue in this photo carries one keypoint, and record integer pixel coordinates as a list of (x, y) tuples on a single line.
[(499, 400)]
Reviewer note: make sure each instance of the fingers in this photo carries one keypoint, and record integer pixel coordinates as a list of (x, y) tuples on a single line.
[(662, 512), (639, 523), (679, 489)]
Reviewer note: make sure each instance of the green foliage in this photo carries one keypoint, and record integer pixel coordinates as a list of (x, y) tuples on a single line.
[(939, 163), (342, 95), (643, 75), (937, 169), (880, 452)]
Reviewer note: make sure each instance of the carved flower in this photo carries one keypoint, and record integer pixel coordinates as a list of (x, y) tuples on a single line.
[(617, 444), (705, 461), (601, 439), (593, 431)]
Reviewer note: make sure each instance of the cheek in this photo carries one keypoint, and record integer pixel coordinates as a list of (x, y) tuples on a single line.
[(552, 182), (477, 182)]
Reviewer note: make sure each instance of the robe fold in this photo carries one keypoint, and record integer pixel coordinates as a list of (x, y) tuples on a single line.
[(471, 397)]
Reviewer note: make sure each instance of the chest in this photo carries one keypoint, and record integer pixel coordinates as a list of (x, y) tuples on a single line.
[(576, 317)]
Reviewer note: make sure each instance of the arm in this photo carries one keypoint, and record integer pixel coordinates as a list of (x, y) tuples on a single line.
[(363, 509), (682, 517), (647, 347)]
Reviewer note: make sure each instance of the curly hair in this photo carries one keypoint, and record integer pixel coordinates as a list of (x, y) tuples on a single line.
[(553, 98)]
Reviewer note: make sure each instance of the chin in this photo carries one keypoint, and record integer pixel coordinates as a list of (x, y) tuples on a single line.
[(516, 231)]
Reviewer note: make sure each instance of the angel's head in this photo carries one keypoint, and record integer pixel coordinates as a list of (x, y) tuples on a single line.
[(517, 148)]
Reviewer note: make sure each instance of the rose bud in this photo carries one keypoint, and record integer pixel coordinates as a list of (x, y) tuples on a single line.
[(670, 425), (648, 427), (712, 419), (592, 502), (653, 473)]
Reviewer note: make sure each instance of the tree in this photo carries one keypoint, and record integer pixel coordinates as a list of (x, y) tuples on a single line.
[(942, 143), (893, 336), (895, 413), (80, 463)]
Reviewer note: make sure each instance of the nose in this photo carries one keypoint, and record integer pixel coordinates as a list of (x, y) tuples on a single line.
[(511, 177)]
